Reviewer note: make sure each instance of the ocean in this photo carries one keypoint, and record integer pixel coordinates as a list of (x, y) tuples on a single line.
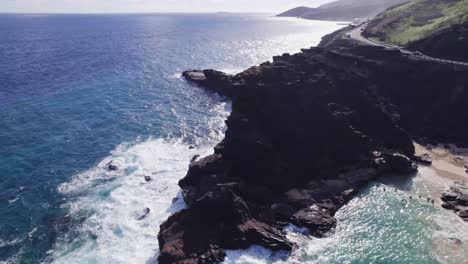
[(78, 92)]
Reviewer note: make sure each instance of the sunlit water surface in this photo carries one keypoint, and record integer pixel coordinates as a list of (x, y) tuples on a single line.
[(79, 91), (386, 223)]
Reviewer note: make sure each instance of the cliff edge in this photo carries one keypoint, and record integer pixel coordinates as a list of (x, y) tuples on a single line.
[(306, 132)]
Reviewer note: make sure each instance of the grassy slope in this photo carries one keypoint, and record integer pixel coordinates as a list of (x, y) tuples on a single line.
[(416, 20)]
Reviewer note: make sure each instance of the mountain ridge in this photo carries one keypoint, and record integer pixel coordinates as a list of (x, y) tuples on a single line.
[(342, 10)]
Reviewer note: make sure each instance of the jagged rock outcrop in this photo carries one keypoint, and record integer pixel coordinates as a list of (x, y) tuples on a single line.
[(306, 132), (456, 199)]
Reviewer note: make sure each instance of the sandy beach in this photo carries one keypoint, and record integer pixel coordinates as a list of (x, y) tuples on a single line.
[(447, 161)]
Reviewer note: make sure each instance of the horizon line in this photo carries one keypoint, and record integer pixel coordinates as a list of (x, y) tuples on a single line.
[(132, 13)]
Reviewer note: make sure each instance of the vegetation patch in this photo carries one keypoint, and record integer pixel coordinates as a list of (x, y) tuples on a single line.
[(416, 20)]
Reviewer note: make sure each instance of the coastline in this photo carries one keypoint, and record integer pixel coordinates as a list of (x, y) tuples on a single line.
[(447, 162), (159, 191), (318, 148), (255, 139)]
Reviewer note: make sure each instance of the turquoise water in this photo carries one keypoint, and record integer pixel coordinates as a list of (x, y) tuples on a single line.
[(79, 91), (382, 225)]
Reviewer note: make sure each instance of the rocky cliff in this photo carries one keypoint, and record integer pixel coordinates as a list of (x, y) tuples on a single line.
[(306, 132)]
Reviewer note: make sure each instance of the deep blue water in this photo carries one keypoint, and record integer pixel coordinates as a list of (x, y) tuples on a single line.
[(79, 91), (76, 90)]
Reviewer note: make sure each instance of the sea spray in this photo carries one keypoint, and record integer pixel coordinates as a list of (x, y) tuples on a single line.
[(108, 203), (88, 89), (105, 223)]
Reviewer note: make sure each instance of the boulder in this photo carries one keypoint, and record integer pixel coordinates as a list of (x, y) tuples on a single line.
[(396, 163), (424, 159), (318, 220), (194, 158), (194, 76), (463, 214), (456, 199), (217, 220), (112, 167), (215, 80)]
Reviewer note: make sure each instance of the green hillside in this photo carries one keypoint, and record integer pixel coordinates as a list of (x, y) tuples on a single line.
[(343, 10), (417, 20)]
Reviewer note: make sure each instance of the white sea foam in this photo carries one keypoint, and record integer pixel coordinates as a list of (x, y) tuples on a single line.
[(232, 70), (13, 200), (105, 206), (111, 202), (377, 226), (177, 75), (10, 243)]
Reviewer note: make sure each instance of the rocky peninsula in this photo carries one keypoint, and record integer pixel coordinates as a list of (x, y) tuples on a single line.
[(306, 132)]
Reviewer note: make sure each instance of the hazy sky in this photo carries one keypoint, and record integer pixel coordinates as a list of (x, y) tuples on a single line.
[(105, 6)]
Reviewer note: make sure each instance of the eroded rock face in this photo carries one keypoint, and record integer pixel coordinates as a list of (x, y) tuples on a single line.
[(218, 219), (395, 163), (456, 199), (214, 80), (306, 132), (424, 159)]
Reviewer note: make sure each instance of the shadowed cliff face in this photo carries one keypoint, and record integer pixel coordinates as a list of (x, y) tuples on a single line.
[(429, 97), (305, 133)]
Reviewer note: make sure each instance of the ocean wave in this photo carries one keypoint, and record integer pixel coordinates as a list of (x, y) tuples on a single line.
[(114, 215), (120, 210), (177, 75), (373, 227), (13, 200)]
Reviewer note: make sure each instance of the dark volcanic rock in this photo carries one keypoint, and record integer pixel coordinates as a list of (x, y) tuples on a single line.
[(424, 159), (456, 199), (429, 97), (214, 80), (111, 166), (306, 132), (395, 163), (457, 194), (217, 220)]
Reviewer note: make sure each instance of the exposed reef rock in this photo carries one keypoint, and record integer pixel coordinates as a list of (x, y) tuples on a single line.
[(214, 80), (456, 199), (424, 159), (306, 132)]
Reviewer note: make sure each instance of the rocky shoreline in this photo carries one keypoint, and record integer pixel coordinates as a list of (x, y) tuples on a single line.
[(456, 199), (306, 132)]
